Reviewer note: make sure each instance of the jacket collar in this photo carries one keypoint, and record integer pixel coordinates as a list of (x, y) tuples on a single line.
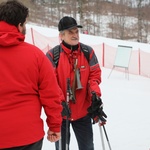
[(71, 47)]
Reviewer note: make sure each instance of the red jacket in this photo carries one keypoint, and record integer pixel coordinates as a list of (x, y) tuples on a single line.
[(90, 77), (27, 82)]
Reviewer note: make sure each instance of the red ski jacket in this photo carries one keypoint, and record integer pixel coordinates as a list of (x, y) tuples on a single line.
[(90, 77), (27, 82)]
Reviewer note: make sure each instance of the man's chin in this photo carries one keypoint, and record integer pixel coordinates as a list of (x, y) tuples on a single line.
[(74, 42)]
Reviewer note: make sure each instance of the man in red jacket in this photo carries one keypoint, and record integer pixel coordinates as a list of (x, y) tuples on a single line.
[(27, 83), (77, 62)]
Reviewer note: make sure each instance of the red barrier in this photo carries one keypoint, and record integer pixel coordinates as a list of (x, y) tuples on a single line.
[(138, 65)]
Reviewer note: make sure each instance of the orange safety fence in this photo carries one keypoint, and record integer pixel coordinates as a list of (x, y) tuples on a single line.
[(138, 65)]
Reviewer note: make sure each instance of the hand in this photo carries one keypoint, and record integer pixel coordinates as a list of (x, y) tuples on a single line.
[(98, 115), (102, 117), (53, 136), (66, 111), (95, 111), (96, 120)]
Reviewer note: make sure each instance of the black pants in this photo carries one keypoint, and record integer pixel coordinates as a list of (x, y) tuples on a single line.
[(83, 132), (33, 146)]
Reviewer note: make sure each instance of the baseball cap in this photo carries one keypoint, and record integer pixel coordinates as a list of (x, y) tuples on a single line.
[(67, 23)]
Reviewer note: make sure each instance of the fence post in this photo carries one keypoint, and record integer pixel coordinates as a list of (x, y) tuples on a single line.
[(103, 54), (139, 63)]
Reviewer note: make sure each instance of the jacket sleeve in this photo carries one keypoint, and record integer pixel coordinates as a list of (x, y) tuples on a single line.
[(49, 55), (95, 74), (50, 94)]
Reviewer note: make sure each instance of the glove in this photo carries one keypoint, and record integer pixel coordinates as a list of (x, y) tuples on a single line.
[(66, 111), (95, 111)]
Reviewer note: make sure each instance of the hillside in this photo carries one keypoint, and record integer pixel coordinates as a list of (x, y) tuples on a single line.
[(119, 19)]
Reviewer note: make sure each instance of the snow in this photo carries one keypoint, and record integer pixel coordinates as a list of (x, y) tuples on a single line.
[(92, 40), (126, 103)]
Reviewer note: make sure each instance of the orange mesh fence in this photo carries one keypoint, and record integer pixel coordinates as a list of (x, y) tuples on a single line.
[(144, 64), (109, 56)]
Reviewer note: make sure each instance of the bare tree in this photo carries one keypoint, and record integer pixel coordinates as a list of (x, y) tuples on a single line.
[(123, 19), (140, 17)]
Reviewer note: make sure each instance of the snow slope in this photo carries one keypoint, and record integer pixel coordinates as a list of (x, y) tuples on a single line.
[(126, 102)]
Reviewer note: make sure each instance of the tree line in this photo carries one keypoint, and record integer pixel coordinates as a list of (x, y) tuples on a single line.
[(120, 19)]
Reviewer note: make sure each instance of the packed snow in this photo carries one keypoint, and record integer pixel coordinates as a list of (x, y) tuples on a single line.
[(126, 103)]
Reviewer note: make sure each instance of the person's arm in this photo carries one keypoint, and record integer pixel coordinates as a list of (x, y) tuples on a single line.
[(95, 74), (95, 111), (50, 95), (66, 110), (53, 136)]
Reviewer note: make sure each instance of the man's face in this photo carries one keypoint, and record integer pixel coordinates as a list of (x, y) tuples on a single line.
[(71, 36), (22, 28)]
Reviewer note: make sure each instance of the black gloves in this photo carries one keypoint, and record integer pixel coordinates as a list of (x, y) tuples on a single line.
[(66, 111), (95, 111)]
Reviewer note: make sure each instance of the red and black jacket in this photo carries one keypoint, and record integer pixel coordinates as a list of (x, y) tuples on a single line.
[(90, 76)]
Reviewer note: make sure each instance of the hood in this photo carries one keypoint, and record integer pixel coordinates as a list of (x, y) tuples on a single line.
[(9, 35)]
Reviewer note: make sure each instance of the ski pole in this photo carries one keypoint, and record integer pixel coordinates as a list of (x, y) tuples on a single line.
[(67, 120), (101, 134), (106, 137), (60, 145)]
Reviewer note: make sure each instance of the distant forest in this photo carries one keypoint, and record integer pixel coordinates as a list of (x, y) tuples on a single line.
[(119, 19)]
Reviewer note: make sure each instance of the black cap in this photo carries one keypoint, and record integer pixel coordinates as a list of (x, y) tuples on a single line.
[(67, 23)]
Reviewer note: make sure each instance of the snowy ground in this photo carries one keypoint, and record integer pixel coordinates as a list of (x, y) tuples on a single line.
[(126, 102)]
